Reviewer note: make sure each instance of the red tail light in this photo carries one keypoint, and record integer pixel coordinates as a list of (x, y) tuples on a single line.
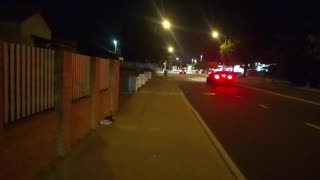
[(229, 77), (216, 76)]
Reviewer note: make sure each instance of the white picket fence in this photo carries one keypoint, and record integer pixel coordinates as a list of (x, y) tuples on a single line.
[(28, 80), (80, 76)]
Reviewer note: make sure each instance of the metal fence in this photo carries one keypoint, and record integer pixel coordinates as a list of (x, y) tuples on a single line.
[(80, 76), (104, 74), (28, 81)]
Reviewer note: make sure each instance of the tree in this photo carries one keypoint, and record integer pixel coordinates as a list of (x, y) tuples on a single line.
[(233, 53), (313, 56)]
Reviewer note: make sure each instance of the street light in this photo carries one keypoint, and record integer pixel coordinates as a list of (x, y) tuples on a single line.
[(166, 24), (216, 35), (177, 58), (115, 42), (170, 49)]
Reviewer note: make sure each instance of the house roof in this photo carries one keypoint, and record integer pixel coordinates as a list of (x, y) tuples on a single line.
[(17, 14), (94, 49)]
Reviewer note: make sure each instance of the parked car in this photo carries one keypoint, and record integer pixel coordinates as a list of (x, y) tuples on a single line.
[(183, 71), (221, 78)]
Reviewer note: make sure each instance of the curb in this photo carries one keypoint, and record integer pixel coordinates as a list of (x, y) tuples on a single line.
[(224, 155), (309, 89)]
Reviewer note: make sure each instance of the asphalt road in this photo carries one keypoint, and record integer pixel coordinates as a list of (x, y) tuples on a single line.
[(267, 136)]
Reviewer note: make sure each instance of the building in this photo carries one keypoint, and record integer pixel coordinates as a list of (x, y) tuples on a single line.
[(24, 26)]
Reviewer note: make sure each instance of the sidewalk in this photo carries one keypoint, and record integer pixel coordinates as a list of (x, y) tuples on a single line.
[(155, 136)]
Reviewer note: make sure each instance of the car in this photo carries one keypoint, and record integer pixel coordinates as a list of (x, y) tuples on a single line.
[(221, 78), (182, 71)]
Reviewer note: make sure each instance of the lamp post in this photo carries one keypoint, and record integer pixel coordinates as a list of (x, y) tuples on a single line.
[(170, 50), (178, 59), (115, 42)]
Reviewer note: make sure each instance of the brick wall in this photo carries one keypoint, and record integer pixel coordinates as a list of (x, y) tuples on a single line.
[(30, 144)]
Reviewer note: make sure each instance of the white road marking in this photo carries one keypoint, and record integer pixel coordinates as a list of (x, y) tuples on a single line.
[(282, 95), (198, 79), (209, 94), (225, 156), (312, 125), (264, 106)]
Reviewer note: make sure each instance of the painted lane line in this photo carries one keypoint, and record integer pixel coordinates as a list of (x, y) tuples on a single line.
[(312, 125), (282, 95), (264, 106)]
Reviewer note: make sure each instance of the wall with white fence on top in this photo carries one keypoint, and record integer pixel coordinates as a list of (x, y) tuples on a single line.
[(49, 101)]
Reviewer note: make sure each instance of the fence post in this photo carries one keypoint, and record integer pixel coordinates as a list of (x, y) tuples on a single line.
[(63, 100)]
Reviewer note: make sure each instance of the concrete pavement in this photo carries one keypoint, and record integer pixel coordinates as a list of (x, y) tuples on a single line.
[(155, 136)]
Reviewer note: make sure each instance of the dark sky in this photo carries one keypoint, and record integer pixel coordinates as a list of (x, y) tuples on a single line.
[(255, 24)]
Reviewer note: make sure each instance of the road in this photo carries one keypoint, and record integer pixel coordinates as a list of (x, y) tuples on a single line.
[(268, 136)]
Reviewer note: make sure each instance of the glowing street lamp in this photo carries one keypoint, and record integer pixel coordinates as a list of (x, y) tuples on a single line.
[(115, 42), (177, 58), (216, 35), (170, 49), (166, 24)]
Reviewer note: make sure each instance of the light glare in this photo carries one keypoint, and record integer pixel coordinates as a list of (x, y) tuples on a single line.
[(215, 34), (166, 24)]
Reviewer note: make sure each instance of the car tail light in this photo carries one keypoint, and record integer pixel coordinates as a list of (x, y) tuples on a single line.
[(216, 76), (229, 77)]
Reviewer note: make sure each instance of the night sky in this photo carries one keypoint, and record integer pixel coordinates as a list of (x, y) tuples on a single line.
[(257, 25)]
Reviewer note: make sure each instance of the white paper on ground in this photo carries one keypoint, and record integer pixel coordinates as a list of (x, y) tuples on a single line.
[(105, 122)]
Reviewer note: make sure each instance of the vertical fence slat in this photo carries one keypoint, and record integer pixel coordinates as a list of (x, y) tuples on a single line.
[(74, 68), (18, 85), (29, 104), (84, 76), (88, 76), (12, 83), (73, 76), (33, 79), (78, 60), (78, 76), (49, 79), (46, 72), (41, 78), (52, 79), (84, 80), (6, 82), (23, 80), (81, 75), (37, 79)]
